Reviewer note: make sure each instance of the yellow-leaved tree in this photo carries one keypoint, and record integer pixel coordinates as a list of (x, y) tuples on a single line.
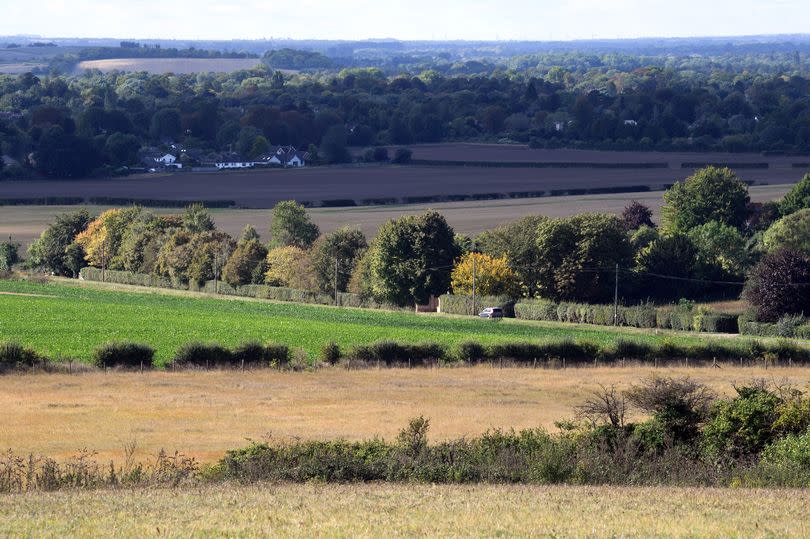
[(101, 240), (493, 276)]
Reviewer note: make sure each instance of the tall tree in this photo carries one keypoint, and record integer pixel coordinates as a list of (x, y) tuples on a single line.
[(334, 257), (711, 194), (48, 251), (290, 225)]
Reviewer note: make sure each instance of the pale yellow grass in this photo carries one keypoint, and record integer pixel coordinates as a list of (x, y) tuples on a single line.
[(409, 510), (25, 223), (203, 414), (170, 65)]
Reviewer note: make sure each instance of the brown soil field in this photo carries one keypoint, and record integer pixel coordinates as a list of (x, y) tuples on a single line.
[(264, 188), (16, 69), (204, 414), (25, 223), (460, 151), (169, 65)]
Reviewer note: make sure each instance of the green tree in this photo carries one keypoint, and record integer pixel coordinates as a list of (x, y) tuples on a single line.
[(711, 194), (517, 242), (290, 225), (289, 266), (9, 254), (122, 149), (74, 258), (48, 251), (412, 259), (334, 147), (578, 255), (249, 234), (792, 232), (260, 146), (197, 219), (346, 246), (672, 255), (165, 125), (720, 246), (777, 285), (798, 198)]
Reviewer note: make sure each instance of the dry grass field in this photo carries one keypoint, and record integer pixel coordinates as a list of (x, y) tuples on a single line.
[(25, 223), (169, 65), (371, 510), (203, 414)]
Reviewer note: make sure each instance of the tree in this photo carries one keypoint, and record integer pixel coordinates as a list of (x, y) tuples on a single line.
[(142, 241), (517, 242), (636, 215), (166, 125), (260, 146), (102, 239), (778, 285), (798, 198), (291, 226), (289, 267), (402, 156), (9, 254), (197, 219), (792, 232), (721, 247), (578, 255), (194, 258), (333, 146), (493, 276), (412, 259), (122, 149), (339, 250), (243, 262), (672, 255), (74, 259), (65, 155), (249, 234), (711, 194), (48, 252)]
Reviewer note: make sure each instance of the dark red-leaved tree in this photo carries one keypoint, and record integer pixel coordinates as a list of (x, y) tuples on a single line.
[(779, 285), (636, 215)]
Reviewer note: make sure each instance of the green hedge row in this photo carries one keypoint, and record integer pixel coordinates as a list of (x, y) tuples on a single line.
[(787, 327), (534, 164), (458, 304), (640, 316), (726, 165), (260, 291)]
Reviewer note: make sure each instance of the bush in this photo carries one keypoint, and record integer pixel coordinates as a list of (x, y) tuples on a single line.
[(331, 354), (202, 355), (123, 354), (279, 355), (634, 350), (460, 304), (470, 352), (251, 353), (15, 356), (393, 353), (784, 463), (772, 285)]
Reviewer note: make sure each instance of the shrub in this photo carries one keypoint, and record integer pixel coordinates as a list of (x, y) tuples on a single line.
[(772, 285), (390, 353), (278, 355), (470, 352), (626, 349), (14, 356), (330, 353), (251, 353), (461, 304), (786, 325), (785, 463), (202, 355), (123, 354), (742, 427)]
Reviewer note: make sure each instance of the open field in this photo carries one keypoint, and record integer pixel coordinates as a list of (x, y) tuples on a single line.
[(205, 413), (263, 188), (16, 69), (459, 151), (409, 510), (25, 223), (169, 65), (70, 319)]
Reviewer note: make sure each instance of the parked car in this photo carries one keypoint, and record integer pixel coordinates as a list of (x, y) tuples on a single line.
[(491, 312)]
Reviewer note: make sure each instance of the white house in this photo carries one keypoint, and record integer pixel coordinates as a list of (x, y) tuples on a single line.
[(287, 156), (232, 161), (168, 161)]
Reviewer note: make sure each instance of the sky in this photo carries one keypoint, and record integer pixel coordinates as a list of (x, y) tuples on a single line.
[(408, 20)]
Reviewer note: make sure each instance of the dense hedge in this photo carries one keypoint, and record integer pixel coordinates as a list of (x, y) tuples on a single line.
[(457, 304), (732, 166), (14, 356), (789, 326), (123, 354), (252, 354), (640, 316), (130, 278), (534, 164)]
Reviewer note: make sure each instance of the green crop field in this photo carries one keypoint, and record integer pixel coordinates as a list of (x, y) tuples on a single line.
[(69, 320)]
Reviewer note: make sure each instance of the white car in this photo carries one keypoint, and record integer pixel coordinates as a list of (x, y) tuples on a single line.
[(491, 312)]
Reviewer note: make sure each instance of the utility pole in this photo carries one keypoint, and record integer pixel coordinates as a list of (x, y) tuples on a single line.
[(103, 259), (474, 268), (336, 279), (616, 299)]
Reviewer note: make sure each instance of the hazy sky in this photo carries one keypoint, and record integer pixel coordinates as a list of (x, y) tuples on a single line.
[(414, 19)]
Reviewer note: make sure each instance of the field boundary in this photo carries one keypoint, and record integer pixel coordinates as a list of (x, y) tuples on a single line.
[(535, 164)]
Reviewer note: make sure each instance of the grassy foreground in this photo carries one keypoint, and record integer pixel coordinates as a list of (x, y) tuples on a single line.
[(372, 510), (70, 319), (204, 414)]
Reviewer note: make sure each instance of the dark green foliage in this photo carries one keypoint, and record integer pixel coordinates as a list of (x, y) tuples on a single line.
[(15, 356), (48, 252), (678, 405), (517, 241), (9, 254), (778, 285), (636, 215), (202, 355), (798, 198), (123, 354), (470, 352), (394, 353), (331, 353), (334, 257), (242, 264)]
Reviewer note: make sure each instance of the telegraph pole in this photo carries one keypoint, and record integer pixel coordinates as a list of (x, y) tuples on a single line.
[(616, 299)]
